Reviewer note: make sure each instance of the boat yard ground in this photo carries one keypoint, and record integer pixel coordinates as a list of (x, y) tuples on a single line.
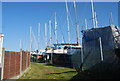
[(44, 71), (47, 71)]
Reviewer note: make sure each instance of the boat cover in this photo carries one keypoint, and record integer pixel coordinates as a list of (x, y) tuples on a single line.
[(110, 40)]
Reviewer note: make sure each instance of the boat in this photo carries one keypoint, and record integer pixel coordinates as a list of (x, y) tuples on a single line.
[(61, 54), (100, 49)]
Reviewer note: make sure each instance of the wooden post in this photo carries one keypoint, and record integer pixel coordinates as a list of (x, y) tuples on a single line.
[(20, 61), (2, 69), (27, 60), (51, 57)]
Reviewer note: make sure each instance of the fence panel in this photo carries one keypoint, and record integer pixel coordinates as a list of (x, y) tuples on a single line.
[(12, 63), (24, 60)]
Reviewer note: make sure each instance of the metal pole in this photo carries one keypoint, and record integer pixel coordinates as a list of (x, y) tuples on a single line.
[(56, 29), (38, 39), (63, 40), (111, 19), (20, 44), (96, 22), (86, 24), (93, 14), (77, 26), (30, 40), (68, 22), (45, 35), (101, 49), (50, 25), (38, 36)]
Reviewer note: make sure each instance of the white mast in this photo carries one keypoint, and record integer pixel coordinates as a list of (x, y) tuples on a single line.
[(63, 40), (56, 29), (45, 35), (35, 40), (20, 44), (68, 22), (30, 39), (111, 19), (77, 26), (86, 24), (38, 35), (96, 21), (93, 14), (50, 25)]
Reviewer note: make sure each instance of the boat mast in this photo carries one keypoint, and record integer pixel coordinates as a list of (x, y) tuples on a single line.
[(62, 40), (38, 35), (111, 19), (45, 35), (77, 26), (20, 44), (68, 22), (50, 25), (93, 14), (86, 24), (56, 29), (96, 21), (30, 39)]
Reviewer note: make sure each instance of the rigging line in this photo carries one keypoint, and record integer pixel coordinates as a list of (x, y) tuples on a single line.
[(69, 13), (83, 11), (50, 28), (34, 38), (62, 34), (61, 29), (38, 36), (59, 17)]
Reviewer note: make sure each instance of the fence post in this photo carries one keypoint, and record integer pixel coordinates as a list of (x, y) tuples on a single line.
[(2, 69), (27, 60), (20, 61), (1, 54)]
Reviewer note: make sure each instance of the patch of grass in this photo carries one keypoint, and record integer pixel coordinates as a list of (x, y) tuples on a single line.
[(44, 71)]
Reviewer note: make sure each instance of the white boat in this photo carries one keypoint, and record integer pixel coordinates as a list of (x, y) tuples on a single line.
[(62, 53)]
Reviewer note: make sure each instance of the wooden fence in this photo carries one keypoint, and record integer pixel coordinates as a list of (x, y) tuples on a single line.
[(15, 63)]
